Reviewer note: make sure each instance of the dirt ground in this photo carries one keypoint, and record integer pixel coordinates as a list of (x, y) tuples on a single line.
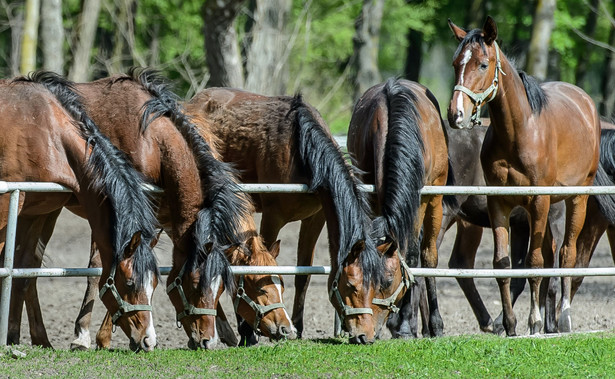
[(593, 307)]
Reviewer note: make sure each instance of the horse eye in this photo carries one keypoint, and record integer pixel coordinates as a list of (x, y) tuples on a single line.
[(483, 66), (262, 291), (130, 283)]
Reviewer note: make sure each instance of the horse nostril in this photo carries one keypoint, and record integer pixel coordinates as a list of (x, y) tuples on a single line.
[(284, 331), (147, 343), (203, 344)]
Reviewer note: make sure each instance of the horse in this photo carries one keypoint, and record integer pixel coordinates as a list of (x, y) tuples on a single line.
[(282, 139), (209, 221), (533, 129), (397, 139), (48, 137)]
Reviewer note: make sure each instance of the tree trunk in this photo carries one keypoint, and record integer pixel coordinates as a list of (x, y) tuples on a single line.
[(366, 42), (590, 31), (266, 68), (30, 36), (52, 36), (607, 105), (538, 55), (221, 47), (86, 32)]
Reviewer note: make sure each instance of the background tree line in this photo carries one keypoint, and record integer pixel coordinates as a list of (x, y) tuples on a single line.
[(330, 50)]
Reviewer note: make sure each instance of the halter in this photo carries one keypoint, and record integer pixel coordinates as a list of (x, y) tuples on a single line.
[(260, 310), (479, 98), (124, 307), (346, 309), (189, 309), (408, 279)]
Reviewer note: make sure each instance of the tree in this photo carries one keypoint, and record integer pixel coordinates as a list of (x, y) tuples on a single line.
[(541, 35), (590, 31), (366, 46), (30, 37), (52, 35), (84, 36)]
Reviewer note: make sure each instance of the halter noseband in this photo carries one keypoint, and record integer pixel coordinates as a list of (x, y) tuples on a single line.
[(260, 310), (189, 309), (407, 280), (479, 98), (124, 307)]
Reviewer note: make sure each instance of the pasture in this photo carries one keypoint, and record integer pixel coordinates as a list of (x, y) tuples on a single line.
[(589, 355)]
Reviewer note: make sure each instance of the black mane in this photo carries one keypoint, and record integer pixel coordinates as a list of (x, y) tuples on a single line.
[(218, 223), (536, 96), (329, 172), (114, 176)]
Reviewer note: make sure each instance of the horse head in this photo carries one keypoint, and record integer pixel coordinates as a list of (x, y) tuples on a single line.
[(127, 294), (477, 67), (258, 298)]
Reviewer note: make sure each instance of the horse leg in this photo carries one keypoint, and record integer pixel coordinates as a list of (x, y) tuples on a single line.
[(432, 221), (82, 339), (548, 290), (227, 336), (538, 210), (403, 324), (103, 336), (576, 208), (498, 216), (308, 235), (463, 256)]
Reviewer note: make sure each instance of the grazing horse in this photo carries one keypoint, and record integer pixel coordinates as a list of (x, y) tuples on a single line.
[(209, 221), (533, 130), (48, 137), (284, 140), (398, 141)]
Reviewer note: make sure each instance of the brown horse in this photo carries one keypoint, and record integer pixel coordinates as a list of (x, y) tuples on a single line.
[(397, 139), (285, 140), (48, 137), (533, 129), (208, 221)]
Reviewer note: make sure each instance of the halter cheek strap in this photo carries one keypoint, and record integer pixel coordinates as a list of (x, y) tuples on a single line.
[(407, 280), (124, 307), (189, 309), (260, 310), (487, 95)]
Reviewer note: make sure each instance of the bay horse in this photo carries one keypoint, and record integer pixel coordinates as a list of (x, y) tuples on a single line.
[(282, 139), (397, 139), (533, 129), (208, 220), (47, 136)]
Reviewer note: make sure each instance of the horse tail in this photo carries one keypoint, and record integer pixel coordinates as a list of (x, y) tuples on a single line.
[(219, 223), (113, 175), (404, 166), (606, 173), (330, 172)]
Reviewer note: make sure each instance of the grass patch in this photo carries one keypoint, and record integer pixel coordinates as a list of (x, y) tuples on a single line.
[(590, 355)]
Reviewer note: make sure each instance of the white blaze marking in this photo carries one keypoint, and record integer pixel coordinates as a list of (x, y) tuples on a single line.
[(278, 286), (467, 54), (150, 332)]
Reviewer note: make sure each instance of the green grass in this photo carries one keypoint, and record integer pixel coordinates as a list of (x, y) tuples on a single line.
[(467, 357)]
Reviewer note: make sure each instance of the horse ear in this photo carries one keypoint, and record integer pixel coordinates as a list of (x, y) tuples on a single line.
[(384, 247), (490, 30), (156, 238), (458, 32), (235, 254), (356, 250), (275, 249), (135, 241)]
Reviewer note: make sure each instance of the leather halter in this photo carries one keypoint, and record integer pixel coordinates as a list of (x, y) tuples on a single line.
[(407, 280), (189, 309), (260, 310), (482, 97), (124, 307)]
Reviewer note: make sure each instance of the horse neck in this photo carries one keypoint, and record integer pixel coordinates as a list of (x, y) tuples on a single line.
[(510, 109)]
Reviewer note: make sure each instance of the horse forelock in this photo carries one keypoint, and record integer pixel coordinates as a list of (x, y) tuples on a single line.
[(332, 174), (403, 163), (114, 176), (473, 36)]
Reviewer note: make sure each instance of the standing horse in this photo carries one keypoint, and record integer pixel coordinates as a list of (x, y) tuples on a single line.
[(533, 129), (285, 140), (201, 210), (398, 141), (48, 137)]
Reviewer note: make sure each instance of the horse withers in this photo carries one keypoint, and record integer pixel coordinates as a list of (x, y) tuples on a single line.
[(533, 129)]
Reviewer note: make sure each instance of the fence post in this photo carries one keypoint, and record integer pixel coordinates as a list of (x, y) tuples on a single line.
[(7, 282)]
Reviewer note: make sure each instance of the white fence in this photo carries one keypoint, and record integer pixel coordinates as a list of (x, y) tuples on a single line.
[(8, 272)]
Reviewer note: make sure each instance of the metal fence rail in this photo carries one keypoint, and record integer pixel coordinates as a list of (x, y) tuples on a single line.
[(8, 272)]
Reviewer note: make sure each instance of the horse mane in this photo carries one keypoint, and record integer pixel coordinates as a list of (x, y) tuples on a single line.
[(219, 222), (536, 96), (403, 165), (606, 174), (114, 176), (330, 172)]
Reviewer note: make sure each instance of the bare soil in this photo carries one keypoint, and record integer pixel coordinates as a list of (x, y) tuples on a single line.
[(593, 306)]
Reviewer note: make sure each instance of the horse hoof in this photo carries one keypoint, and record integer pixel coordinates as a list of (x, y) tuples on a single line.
[(78, 347), (488, 328), (565, 321), (536, 327)]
